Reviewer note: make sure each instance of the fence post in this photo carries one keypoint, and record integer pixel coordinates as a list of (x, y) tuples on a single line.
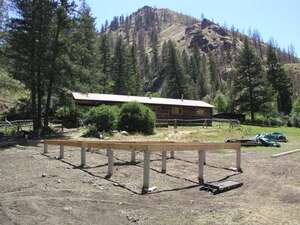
[(110, 168), (146, 172), (83, 156), (172, 155), (45, 148), (133, 156), (164, 162), (238, 160), (61, 152), (201, 159)]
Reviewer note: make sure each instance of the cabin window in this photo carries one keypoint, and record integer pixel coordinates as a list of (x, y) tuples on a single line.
[(176, 111), (201, 112)]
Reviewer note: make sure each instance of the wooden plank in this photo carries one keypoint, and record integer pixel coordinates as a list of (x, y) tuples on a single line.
[(192, 146), (286, 153), (142, 146)]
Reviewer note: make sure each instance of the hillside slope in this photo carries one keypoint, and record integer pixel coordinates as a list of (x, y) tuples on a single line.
[(150, 27)]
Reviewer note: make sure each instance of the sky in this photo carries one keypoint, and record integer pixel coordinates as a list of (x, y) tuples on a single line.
[(275, 19)]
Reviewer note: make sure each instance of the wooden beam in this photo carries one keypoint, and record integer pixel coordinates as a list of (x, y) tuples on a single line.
[(286, 153), (140, 146)]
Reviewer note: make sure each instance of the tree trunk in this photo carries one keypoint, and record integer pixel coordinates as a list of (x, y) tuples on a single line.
[(52, 71), (48, 101), (33, 110), (39, 101)]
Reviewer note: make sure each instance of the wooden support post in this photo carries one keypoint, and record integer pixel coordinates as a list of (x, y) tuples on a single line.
[(83, 157), (172, 155), (164, 162), (146, 176), (238, 160), (201, 159), (61, 152), (45, 148), (132, 157), (110, 168)]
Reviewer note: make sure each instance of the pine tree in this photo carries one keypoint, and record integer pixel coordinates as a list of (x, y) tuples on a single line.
[(84, 52), (134, 80), (214, 74), (155, 64), (36, 48), (250, 86), (198, 72), (176, 80), (119, 68), (280, 82), (105, 62)]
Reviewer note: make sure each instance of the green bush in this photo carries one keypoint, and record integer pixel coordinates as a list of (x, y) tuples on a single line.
[(294, 121), (221, 103), (136, 117), (103, 118), (69, 116)]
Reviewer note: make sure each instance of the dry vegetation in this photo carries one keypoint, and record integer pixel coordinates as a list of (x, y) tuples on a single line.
[(72, 195)]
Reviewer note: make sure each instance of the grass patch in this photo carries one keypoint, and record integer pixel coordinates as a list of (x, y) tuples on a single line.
[(219, 133)]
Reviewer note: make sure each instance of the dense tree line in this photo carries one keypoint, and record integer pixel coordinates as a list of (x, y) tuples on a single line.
[(53, 47)]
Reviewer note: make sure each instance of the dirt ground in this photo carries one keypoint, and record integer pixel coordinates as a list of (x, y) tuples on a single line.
[(40, 189)]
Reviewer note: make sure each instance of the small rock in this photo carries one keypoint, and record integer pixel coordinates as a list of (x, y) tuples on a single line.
[(44, 175), (120, 203), (132, 219), (67, 208), (152, 189), (125, 133), (58, 180)]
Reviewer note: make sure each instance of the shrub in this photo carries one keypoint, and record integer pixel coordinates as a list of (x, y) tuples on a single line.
[(136, 117), (221, 103), (296, 107), (294, 121), (103, 118), (69, 116)]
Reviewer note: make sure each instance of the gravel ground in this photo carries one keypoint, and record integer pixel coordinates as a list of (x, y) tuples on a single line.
[(39, 189)]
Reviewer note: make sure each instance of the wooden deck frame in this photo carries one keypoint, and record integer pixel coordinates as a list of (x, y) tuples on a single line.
[(147, 147)]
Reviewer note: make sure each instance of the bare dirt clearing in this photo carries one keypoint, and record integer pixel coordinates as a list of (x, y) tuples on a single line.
[(68, 194)]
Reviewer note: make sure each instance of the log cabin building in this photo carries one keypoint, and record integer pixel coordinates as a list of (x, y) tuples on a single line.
[(164, 108)]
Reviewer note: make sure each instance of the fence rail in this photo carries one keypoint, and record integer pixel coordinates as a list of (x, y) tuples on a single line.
[(16, 123), (196, 122)]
